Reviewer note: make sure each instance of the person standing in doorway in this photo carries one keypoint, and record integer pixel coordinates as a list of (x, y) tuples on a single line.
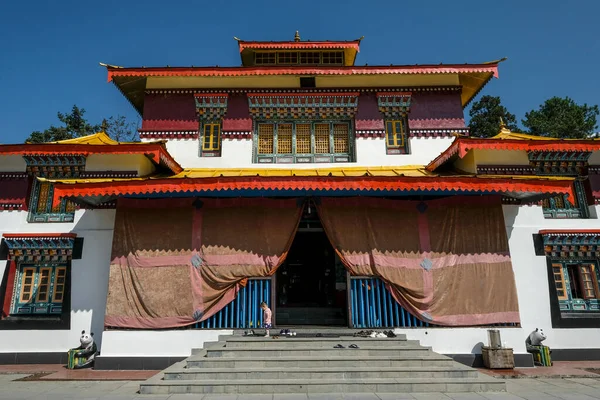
[(266, 317)]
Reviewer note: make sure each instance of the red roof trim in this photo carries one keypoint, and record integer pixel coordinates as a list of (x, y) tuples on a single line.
[(393, 94), (474, 184), (211, 95), (299, 45), (352, 70), (462, 146), (308, 94), (38, 235), (156, 152)]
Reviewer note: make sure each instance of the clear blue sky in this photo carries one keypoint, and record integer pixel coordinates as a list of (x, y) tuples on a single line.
[(49, 50)]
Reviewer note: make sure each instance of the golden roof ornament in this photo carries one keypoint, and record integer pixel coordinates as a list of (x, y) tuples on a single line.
[(297, 37)]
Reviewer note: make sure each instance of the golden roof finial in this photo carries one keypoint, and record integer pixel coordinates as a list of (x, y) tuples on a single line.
[(502, 124), (297, 37), (104, 125)]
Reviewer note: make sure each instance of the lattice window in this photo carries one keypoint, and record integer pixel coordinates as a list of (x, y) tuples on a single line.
[(39, 289), (332, 57), (284, 139), (265, 138), (341, 138), (303, 138), (394, 133), (560, 207), (264, 58), (310, 57), (212, 137), (322, 138), (44, 202), (559, 281), (287, 57)]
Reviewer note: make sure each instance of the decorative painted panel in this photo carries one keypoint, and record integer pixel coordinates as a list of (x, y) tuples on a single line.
[(27, 249), (577, 285), (393, 104), (211, 106), (560, 207)]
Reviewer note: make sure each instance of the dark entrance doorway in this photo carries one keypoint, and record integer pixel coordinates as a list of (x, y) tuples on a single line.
[(311, 283)]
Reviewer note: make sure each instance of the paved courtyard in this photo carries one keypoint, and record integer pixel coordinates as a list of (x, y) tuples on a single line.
[(539, 388)]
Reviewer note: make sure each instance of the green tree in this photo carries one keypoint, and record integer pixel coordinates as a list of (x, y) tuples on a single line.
[(486, 115), (121, 130), (562, 118), (75, 125)]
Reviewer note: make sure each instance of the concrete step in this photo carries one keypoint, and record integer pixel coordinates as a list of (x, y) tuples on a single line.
[(344, 359), (316, 351), (295, 341), (307, 333), (347, 372), (371, 385)]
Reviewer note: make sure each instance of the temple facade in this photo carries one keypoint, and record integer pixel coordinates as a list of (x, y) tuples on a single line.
[(341, 195)]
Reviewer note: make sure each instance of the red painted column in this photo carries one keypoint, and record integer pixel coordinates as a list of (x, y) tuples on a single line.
[(10, 287)]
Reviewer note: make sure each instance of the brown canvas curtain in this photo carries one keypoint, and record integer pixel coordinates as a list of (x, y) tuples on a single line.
[(177, 262), (446, 261)]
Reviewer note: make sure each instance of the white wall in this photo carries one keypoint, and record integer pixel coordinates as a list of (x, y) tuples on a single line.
[(89, 280), (531, 275), (177, 343), (369, 152)]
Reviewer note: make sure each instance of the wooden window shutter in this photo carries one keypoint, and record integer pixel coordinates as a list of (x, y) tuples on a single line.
[(588, 284), (559, 281)]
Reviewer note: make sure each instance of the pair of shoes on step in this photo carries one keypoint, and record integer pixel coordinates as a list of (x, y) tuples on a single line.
[(340, 346), (378, 335), (390, 334), (287, 332)]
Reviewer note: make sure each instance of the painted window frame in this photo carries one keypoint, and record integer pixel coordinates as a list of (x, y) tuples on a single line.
[(211, 151), (34, 305), (279, 57), (391, 137), (301, 158), (559, 207)]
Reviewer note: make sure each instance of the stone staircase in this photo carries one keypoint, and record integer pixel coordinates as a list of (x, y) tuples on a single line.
[(309, 364)]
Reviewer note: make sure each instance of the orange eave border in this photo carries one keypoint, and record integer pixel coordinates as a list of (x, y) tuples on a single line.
[(461, 146), (569, 232), (295, 70), (156, 152), (355, 44), (474, 184)]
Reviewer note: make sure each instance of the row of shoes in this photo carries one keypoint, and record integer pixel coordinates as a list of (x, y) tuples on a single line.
[(287, 332), (375, 334)]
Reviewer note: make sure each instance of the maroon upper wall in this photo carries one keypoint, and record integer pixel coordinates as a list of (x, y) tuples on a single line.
[(177, 112)]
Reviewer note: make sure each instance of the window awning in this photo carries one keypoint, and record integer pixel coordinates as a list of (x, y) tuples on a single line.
[(393, 104), (39, 247), (311, 106), (211, 106)]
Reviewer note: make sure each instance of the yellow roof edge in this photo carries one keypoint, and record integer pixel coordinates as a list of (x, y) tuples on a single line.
[(98, 138)]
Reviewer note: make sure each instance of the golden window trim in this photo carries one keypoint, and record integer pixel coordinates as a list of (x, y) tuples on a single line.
[(214, 139), (394, 134), (59, 272), (303, 138), (565, 295)]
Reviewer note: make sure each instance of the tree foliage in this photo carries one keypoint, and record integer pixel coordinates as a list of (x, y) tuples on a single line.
[(121, 130), (76, 125), (562, 118), (485, 117)]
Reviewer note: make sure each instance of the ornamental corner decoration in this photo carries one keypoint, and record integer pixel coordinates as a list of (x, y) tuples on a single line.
[(307, 106), (39, 248), (211, 106), (394, 104)]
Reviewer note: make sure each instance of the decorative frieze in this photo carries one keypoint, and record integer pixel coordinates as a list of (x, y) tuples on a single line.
[(359, 90), (441, 132), (169, 134), (237, 135), (55, 166), (39, 248), (505, 170), (298, 106), (393, 105), (377, 133), (559, 163)]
